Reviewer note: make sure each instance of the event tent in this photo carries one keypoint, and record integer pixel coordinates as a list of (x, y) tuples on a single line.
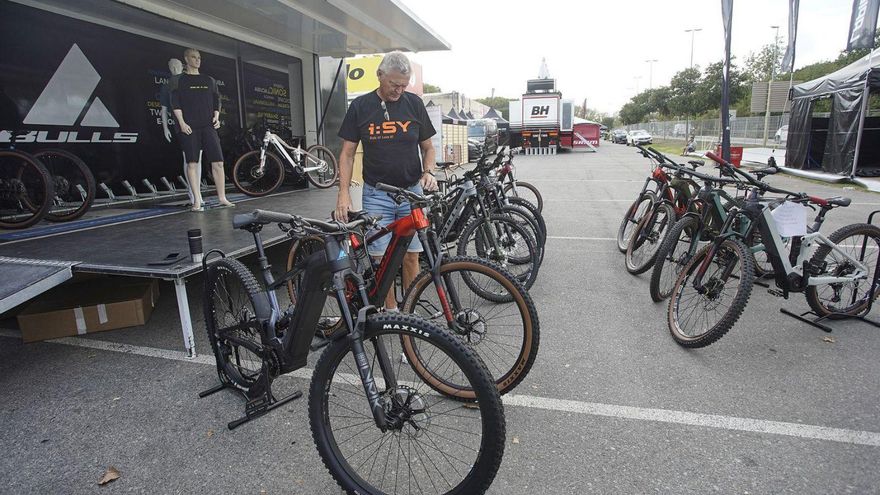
[(840, 144), (499, 120)]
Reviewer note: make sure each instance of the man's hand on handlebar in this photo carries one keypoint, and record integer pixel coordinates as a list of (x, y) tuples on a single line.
[(428, 182), (343, 206)]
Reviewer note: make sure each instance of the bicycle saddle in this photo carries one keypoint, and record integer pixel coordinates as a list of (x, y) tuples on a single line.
[(445, 165), (760, 172), (835, 201), (697, 163)]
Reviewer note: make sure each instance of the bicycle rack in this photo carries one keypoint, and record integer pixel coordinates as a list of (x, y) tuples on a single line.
[(150, 187), (863, 316), (182, 182), (131, 190), (168, 185), (110, 196)]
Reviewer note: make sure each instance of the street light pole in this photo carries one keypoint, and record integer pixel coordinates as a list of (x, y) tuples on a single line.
[(687, 126), (651, 72), (770, 84)]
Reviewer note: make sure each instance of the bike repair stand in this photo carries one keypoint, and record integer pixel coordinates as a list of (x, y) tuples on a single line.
[(862, 316), (259, 397)]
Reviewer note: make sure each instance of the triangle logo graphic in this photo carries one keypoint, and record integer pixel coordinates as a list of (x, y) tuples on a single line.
[(67, 94), (98, 116)]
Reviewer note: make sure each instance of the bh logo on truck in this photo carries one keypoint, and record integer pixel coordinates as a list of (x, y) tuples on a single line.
[(540, 112), (67, 101)]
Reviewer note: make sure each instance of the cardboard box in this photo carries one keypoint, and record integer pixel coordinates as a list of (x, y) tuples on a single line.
[(95, 306)]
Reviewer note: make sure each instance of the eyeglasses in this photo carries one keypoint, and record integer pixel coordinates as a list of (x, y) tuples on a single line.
[(384, 109)]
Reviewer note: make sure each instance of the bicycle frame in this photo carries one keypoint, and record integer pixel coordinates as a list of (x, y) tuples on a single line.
[(294, 161), (795, 278), (293, 345), (790, 275), (402, 232)]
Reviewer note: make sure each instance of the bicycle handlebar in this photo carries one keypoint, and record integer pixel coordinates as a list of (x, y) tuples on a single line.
[(263, 217)]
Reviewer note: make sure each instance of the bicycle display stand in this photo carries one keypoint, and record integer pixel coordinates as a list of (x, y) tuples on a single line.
[(862, 316), (259, 397), (259, 402)]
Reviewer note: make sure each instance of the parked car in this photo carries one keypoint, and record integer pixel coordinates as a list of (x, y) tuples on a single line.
[(639, 136), (482, 137), (618, 136), (781, 134)]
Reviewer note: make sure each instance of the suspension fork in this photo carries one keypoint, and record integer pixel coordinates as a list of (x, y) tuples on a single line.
[(263, 150), (444, 289), (713, 249), (357, 329), (486, 226)]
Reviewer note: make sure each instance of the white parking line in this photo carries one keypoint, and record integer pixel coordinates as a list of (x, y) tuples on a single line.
[(630, 200), (570, 238), (813, 432), (810, 432), (583, 180)]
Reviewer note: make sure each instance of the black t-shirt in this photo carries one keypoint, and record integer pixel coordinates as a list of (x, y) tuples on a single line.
[(391, 147), (197, 96)]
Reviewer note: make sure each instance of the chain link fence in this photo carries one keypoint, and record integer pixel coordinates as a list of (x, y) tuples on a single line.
[(743, 130)]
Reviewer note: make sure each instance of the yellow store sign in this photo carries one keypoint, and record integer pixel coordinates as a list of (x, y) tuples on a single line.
[(361, 77)]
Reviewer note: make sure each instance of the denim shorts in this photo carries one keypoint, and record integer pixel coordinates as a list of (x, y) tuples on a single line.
[(376, 202)]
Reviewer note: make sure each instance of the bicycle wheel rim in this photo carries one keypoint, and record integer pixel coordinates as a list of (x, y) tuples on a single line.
[(249, 179), (645, 242), (25, 190), (503, 333), (631, 220), (848, 298), (74, 185), (518, 253), (329, 171), (448, 453), (232, 316), (679, 251), (703, 318)]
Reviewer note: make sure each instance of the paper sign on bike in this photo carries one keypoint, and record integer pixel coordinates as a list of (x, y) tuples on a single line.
[(791, 219)]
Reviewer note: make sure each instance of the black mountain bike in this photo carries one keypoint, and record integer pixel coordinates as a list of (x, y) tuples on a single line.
[(378, 424), (26, 189)]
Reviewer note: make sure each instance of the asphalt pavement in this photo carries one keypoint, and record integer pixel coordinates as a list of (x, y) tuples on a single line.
[(612, 404)]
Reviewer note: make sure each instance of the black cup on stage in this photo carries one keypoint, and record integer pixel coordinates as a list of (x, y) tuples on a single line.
[(195, 245)]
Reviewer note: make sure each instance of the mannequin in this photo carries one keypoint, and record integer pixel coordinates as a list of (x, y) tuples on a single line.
[(176, 68), (196, 104)]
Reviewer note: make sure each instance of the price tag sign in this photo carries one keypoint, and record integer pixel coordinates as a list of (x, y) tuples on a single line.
[(791, 219)]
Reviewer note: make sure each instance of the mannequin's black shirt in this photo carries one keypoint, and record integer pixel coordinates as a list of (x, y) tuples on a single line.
[(391, 147), (197, 96)]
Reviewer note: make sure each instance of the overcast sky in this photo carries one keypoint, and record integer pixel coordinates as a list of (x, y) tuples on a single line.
[(596, 50)]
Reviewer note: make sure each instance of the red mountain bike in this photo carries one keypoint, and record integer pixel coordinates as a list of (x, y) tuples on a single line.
[(477, 300)]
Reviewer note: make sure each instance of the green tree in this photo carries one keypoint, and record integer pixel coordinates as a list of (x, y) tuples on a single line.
[(608, 122), (682, 91), (430, 88), (708, 91), (758, 65)]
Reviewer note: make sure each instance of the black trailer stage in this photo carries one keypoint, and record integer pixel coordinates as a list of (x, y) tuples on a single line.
[(32, 266)]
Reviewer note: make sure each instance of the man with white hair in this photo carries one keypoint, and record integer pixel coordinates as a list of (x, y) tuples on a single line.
[(394, 128)]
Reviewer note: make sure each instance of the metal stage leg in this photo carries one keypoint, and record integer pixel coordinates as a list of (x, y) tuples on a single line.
[(185, 319)]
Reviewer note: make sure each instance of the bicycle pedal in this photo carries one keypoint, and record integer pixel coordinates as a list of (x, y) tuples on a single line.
[(774, 292)]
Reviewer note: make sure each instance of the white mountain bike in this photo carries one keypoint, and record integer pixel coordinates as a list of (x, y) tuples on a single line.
[(261, 172)]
